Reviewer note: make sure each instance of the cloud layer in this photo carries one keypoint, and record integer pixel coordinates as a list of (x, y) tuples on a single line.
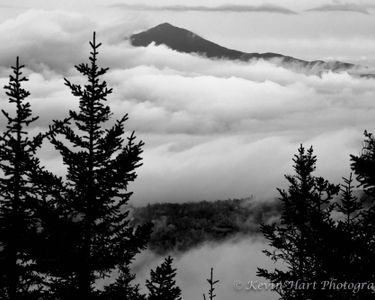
[(267, 8), (285, 7), (342, 7), (214, 129)]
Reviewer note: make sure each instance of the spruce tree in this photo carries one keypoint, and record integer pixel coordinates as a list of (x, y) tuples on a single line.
[(347, 244), (162, 284), (350, 206), (363, 167), (300, 239), (124, 288), (212, 283), (18, 221), (100, 165)]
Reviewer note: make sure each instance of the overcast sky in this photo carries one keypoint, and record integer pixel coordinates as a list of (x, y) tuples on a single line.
[(213, 129)]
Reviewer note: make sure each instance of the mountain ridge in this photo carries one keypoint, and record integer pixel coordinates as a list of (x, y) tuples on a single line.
[(185, 41)]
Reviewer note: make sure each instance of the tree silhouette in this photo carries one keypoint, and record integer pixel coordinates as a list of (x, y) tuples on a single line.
[(300, 239), (124, 288), (363, 167), (18, 221), (347, 244), (212, 283), (100, 165), (350, 206), (162, 285)]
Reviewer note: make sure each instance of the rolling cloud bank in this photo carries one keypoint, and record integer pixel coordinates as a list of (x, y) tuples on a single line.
[(222, 128)]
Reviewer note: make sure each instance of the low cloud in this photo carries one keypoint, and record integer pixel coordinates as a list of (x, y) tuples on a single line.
[(266, 8), (214, 129), (45, 40), (11, 6), (232, 262)]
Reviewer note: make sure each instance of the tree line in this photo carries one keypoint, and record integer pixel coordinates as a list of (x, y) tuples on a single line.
[(179, 227)]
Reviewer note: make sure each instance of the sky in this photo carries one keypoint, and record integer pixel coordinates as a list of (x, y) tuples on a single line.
[(214, 129)]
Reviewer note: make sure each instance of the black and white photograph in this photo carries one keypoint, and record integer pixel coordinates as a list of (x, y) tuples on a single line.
[(187, 150)]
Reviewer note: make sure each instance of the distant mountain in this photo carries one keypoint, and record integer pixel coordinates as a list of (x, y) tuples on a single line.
[(185, 41)]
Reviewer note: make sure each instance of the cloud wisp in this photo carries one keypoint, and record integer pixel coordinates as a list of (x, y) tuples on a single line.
[(265, 8), (342, 7)]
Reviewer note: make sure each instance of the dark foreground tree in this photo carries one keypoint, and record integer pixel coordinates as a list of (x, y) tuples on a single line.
[(162, 284), (124, 288), (301, 239), (347, 245), (364, 165), (212, 282), (350, 205), (100, 165), (18, 221), (364, 169)]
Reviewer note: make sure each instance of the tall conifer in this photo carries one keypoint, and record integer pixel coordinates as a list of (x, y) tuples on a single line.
[(18, 164), (100, 165), (363, 167), (300, 239)]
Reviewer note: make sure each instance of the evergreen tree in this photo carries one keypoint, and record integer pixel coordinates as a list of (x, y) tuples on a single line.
[(364, 169), (124, 288), (300, 240), (364, 165), (100, 165), (212, 283), (347, 244), (18, 221), (350, 206), (162, 285)]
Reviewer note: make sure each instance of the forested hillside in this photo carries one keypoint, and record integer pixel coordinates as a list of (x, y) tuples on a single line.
[(183, 226)]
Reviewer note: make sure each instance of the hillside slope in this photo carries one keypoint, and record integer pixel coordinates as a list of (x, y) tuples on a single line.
[(179, 227)]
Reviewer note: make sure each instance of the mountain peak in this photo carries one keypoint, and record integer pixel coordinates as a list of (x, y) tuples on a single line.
[(185, 41), (182, 40), (166, 29), (165, 25)]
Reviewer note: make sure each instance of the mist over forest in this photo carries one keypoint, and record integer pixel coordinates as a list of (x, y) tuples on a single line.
[(181, 227)]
